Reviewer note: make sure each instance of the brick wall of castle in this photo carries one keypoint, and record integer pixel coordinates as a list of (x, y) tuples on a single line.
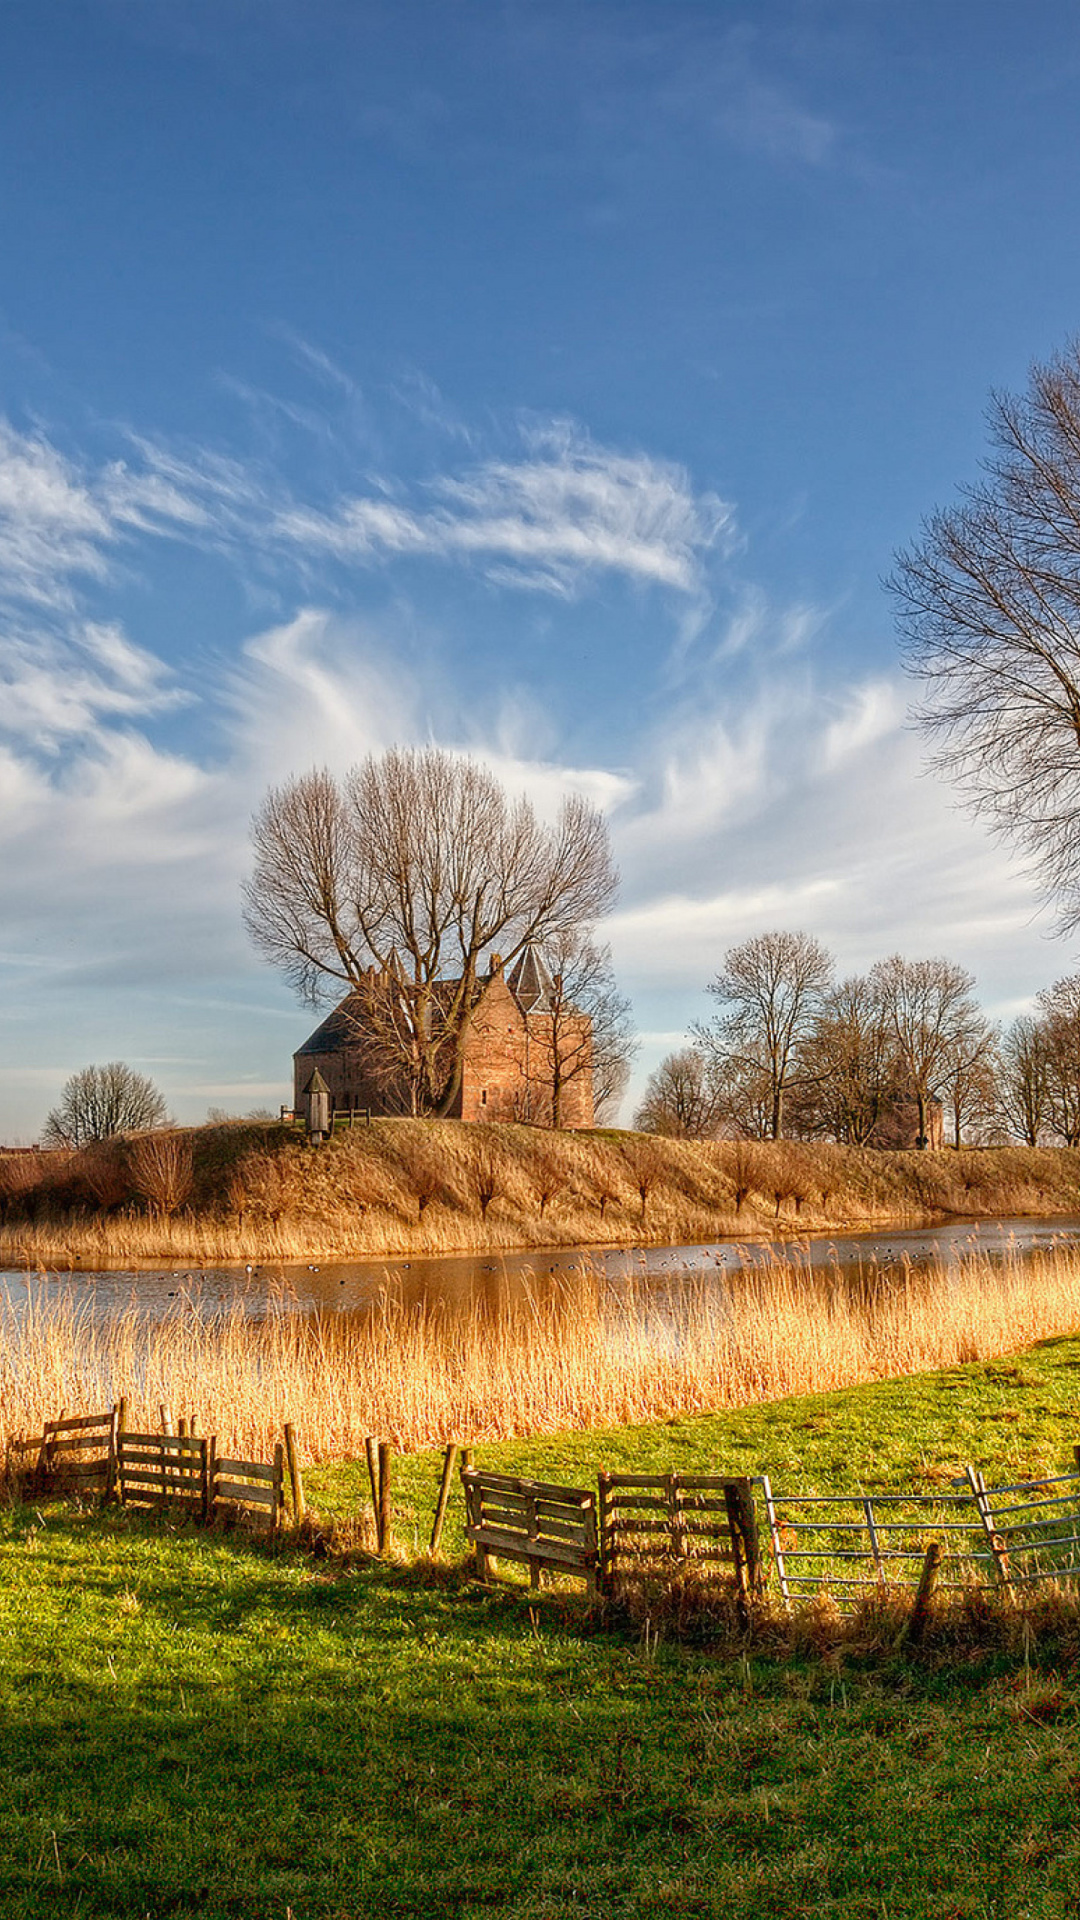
[(507, 1074)]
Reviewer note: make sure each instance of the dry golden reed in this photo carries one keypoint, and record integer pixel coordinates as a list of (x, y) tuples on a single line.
[(555, 1355)]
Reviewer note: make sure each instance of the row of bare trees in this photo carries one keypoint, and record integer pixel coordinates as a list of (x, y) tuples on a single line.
[(870, 1060)]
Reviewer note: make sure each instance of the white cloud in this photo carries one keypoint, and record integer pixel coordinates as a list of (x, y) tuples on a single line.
[(566, 510), (53, 686)]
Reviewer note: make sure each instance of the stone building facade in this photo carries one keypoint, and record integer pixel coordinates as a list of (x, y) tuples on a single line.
[(524, 1048)]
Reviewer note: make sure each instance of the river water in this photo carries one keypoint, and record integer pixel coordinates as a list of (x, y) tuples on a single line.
[(461, 1279)]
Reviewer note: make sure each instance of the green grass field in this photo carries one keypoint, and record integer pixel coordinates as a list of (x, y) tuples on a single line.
[(193, 1725)]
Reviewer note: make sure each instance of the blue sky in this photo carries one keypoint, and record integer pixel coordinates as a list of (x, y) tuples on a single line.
[(554, 381)]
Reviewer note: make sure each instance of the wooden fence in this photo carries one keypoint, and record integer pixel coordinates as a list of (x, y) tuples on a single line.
[(654, 1527), (181, 1472), (635, 1531), (531, 1521), (741, 1532)]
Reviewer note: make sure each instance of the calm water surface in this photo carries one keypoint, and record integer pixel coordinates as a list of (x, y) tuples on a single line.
[(460, 1279)]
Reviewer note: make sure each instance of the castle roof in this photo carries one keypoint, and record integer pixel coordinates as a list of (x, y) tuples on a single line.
[(339, 1029), (530, 982)]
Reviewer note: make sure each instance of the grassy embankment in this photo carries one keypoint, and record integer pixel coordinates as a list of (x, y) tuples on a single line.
[(189, 1725), (399, 1186)]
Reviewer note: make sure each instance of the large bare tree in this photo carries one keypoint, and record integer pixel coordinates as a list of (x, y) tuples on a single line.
[(98, 1103), (681, 1098), (989, 609), (1059, 1008), (1023, 1079), (849, 1074), (770, 991), (933, 1021), (396, 880)]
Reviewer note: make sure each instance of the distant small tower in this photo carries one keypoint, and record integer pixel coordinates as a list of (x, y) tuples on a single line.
[(317, 1097)]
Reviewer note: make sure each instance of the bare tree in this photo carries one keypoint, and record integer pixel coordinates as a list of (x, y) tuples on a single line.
[(1023, 1080), (989, 609), (1059, 1007), (848, 1070), (970, 1088), (770, 991), (584, 1030), (162, 1170), (647, 1167), (394, 882), (681, 1097), (100, 1102), (928, 1007)]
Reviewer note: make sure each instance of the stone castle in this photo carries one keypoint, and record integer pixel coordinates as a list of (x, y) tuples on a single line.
[(519, 1025)]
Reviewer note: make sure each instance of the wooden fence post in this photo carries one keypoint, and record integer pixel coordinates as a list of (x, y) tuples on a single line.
[(603, 1486), (110, 1470), (373, 1477), (996, 1543), (211, 1474), (920, 1612), (279, 1485), (386, 1517), (296, 1484), (449, 1461), (121, 1429)]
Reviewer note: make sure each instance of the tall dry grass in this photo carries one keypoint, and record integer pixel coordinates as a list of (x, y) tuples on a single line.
[(555, 1356)]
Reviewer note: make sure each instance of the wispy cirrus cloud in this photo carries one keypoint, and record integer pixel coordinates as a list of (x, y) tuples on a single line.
[(56, 686), (61, 519), (564, 511), (551, 516)]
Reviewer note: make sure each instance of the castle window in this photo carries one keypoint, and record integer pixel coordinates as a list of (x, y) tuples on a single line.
[(483, 1097)]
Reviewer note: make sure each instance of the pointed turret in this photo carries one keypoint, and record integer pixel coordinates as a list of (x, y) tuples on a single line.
[(530, 981)]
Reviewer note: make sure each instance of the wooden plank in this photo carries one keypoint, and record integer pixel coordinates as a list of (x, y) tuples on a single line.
[(241, 1495), (524, 1550), (511, 1504), (163, 1491), (79, 1423), (156, 1485), (246, 1469), (637, 1480)]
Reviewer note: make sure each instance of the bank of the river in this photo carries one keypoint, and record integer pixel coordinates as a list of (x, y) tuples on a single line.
[(188, 1723), (405, 1186)]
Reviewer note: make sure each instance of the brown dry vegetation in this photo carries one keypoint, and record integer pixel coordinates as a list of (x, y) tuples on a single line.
[(259, 1192), (554, 1356)]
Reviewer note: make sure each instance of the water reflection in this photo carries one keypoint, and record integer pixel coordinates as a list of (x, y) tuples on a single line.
[(493, 1280)]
